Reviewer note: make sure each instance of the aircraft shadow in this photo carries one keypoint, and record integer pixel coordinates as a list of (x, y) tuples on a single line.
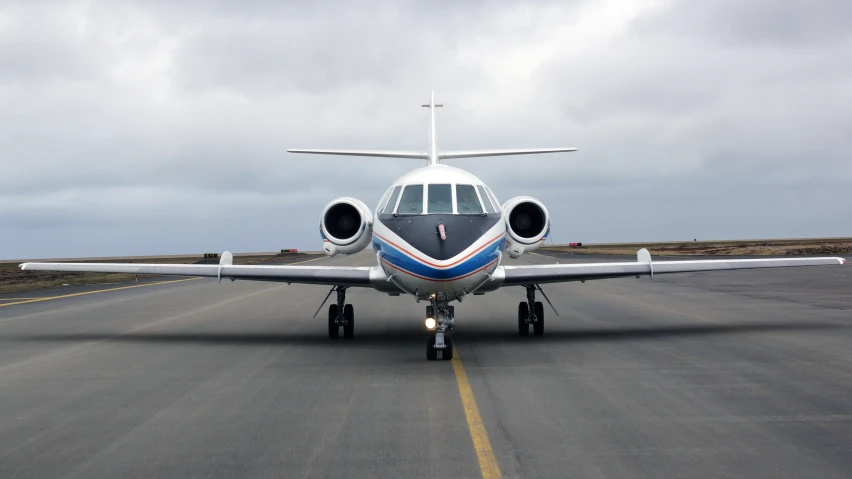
[(402, 335)]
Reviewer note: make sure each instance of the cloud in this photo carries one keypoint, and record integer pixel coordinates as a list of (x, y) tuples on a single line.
[(155, 127)]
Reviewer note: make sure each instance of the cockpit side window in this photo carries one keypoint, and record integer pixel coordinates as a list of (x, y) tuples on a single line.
[(466, 200), (389, 206), (440, 199), (411, 202), (383, 200), (493, 198), (489, 206)]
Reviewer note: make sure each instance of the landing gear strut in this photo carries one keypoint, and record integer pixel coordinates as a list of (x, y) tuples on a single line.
[(531, 312), (440, 338), (341, 314)]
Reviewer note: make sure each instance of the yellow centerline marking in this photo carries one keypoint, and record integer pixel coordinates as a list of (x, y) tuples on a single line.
[(48, 298), (487, 462), (306, 261), (97, 291)]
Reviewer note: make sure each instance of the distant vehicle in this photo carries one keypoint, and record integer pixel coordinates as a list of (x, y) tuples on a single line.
[(440, 235)]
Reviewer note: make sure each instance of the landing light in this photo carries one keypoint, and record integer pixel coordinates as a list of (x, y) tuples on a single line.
[(430, 323)]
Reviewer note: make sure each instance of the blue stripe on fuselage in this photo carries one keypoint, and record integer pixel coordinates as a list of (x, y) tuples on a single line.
[(404, 261)]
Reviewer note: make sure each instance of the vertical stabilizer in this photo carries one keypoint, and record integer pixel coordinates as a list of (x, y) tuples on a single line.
[(433, 140)]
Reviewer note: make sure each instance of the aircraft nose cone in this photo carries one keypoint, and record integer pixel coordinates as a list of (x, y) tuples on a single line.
[(421, 232)]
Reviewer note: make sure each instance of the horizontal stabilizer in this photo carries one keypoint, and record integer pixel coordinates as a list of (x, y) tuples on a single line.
[(480, 153), (419, 155)]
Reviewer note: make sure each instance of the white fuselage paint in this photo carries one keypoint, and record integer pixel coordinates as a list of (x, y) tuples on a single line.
[(417, 273)]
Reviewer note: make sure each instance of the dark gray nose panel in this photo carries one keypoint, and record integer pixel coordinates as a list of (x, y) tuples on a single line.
[(421, 232)]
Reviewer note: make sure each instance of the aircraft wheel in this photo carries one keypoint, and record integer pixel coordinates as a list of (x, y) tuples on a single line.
[(447, 353), (538, 326), (349, 317), (523, 315), (333, 328), (431, 352)]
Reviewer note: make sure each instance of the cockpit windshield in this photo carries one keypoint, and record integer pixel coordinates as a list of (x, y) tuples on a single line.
[(467, 201), (411, 202), (440, 199)]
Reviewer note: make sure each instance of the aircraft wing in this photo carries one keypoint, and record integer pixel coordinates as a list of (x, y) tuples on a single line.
[(558, 273), (325, 275)]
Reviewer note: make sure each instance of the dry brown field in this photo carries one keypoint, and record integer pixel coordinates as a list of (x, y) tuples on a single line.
[(13, 280), (761, 247)]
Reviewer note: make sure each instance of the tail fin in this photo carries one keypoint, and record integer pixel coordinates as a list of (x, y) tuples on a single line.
[(432, 155), (433, 140)]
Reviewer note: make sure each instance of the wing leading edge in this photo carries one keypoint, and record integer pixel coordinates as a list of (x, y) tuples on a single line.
[(558, 273), (323, 275)]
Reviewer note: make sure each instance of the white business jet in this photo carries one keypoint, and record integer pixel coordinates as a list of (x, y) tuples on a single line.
[(439, 234)]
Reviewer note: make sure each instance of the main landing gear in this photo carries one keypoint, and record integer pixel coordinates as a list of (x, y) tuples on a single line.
[(531, 312), (341, 314), (440, 328)]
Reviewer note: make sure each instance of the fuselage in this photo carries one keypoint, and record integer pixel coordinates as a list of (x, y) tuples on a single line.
[(439, 229)]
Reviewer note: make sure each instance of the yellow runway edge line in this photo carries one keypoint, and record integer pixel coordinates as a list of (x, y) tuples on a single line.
[(97, 291), (487, 462), (36, 300)]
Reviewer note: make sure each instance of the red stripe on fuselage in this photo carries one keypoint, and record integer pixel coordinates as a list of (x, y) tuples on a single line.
[(490, 242), (433, 279)]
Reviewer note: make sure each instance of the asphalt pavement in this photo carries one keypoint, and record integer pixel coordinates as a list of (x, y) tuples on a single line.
[(723, 374)]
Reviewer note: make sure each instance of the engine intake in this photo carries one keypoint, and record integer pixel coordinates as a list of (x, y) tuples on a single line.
[(346, 226), (527, 222)]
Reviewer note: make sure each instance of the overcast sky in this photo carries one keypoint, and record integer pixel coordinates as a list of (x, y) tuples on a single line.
[(161, 127)]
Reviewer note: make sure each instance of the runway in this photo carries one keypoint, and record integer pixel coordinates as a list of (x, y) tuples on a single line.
[(723, 374)]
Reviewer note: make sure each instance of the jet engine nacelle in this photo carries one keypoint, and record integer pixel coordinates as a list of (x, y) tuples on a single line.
[(527, 225), (346, 225)]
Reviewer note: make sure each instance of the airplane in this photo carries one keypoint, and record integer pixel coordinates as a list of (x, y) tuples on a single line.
[(440, 235)]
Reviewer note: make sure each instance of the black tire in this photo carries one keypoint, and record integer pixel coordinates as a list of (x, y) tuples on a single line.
[(431, 352), (349, 317), (538, 325), (447, 353), (333, 328), (523, 315)]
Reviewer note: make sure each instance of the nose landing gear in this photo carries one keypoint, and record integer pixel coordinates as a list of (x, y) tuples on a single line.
[(440, 338)]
